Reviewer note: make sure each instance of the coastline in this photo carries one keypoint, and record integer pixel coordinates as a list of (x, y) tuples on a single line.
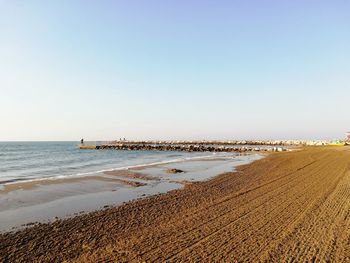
[(291, 205), (135, 167), (26, 203)]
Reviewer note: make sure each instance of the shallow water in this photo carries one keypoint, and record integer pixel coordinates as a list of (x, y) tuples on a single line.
[(23, 161), (67, 190)]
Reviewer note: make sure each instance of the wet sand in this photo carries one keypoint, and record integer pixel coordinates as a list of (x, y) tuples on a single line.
[(39, 183), (49, 199), (290, 206)]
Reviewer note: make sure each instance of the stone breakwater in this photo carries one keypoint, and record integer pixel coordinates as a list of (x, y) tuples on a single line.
[(206, 146), (187, 148), (230, 142)]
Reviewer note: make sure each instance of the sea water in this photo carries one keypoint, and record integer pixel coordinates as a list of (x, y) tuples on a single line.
[(38, 161), (26, 161)]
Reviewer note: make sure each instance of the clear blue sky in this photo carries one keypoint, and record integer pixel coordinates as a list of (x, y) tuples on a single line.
[(174, 69)]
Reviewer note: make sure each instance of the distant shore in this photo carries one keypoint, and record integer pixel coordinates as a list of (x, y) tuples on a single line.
[(289, 205)]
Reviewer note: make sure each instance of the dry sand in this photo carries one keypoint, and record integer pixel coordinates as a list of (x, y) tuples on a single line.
[(287, 207)]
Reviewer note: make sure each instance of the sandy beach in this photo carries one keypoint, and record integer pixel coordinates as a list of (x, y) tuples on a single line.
[(291, 206), (174, 131)]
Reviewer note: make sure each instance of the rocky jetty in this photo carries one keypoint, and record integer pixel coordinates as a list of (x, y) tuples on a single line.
[(188, 147), (229, 142), (207, 146)]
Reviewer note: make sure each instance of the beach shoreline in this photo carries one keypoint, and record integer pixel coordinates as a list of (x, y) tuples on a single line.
[(26, 203), (273, 209)]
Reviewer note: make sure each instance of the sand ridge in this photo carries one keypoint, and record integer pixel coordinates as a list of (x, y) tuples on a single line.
[(287, 207)]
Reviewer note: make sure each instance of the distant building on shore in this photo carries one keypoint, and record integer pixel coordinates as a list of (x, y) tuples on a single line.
[(347, 136)]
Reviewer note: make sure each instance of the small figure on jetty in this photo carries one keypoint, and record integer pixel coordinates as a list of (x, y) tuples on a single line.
[(82, 141)]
